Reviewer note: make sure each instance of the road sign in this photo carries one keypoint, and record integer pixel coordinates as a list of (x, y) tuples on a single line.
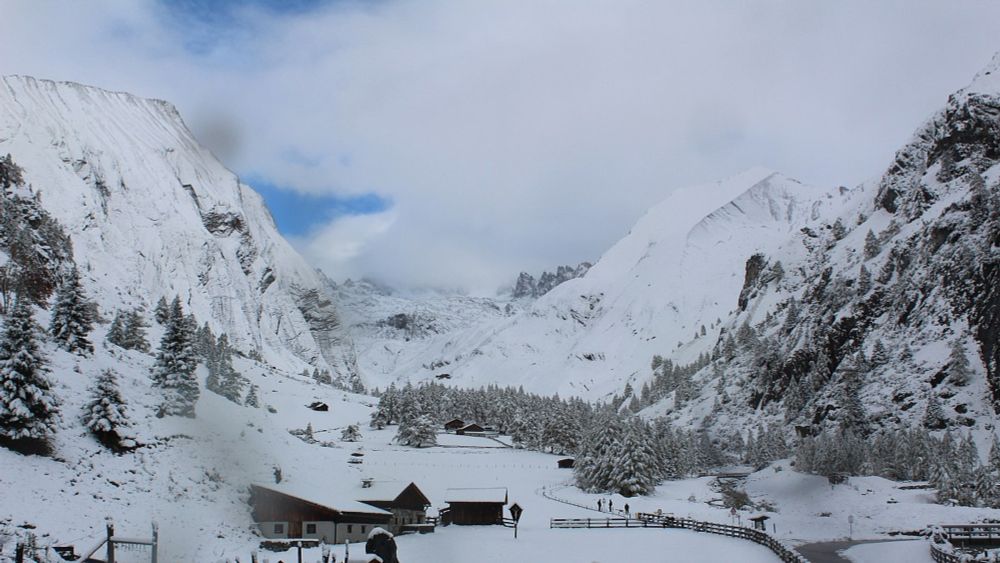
[(515, 511)]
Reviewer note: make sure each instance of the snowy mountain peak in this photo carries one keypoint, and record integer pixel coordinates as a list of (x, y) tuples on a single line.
[(679, 269), (151, 213)]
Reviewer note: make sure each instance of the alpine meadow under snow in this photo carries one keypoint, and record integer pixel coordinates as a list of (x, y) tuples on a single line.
[(826, 357)]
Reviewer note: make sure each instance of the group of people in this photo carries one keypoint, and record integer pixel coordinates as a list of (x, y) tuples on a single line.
[(611, 507)]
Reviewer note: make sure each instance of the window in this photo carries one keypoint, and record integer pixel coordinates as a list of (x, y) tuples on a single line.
[(350, 528), (279, 528), (310, 528), (362, 529)]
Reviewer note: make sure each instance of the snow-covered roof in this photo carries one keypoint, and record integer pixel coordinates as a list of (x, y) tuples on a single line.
[(376, 531), (323, 497), (382, 490), (492, 494)]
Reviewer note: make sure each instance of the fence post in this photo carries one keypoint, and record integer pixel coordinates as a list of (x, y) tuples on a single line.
[(156, 542), (111, 544), (19, 553)]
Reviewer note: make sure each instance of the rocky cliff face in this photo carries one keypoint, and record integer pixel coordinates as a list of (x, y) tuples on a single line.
[(151, 213)]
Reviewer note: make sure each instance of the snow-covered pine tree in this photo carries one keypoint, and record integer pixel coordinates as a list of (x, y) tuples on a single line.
[(853, 417), (251, 399), (162, 311), (29, 410), (872, 247), (351, 434), (934, 418), (378, 419), (958, 367), (135, 331), (104, 414), (71, 322), (635, 470), (838, 229), (174, 370), (116, 333), (864, 281), (418, 432)]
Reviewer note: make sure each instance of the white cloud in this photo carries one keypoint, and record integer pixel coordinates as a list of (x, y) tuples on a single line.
[(520, 135)]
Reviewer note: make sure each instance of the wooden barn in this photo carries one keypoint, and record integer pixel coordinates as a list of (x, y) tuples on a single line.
[(454, 424), (471, 428), (407, 503), (476, 506), (285, 512)]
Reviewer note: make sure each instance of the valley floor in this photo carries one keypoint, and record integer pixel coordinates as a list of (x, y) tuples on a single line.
[(193, 475)]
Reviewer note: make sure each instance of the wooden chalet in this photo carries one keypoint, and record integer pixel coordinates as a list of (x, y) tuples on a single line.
[(476, 506), (407, 503), (566, 463), (287, 512), (454, 424), (471, 428)]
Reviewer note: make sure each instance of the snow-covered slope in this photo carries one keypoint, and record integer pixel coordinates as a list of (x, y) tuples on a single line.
[(151, 213), (680, 268), (882, 297), (389, 328)]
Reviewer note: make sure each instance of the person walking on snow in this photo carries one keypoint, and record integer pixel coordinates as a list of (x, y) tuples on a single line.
[(600, 505), (611, 506), (626, 510)]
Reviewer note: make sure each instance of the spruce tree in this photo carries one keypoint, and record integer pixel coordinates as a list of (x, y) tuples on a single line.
[(162, 311), (116, 333), (104, 415), (419, 432), (251, 399), (864, 281), (351, 434), (135, 331), (934, 418), (958, 368), (71, 320), (29, 410), (174, 370), (872, 247)]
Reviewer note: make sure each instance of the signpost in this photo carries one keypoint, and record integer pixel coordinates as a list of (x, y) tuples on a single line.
[(515, 513)]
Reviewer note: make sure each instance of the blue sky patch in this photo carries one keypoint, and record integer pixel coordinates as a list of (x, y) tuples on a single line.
[(297, 214)]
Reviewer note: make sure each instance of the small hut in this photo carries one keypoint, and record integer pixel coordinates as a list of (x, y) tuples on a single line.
[(566, 463), (476, 506), (760, 522), (470, 429), (454, 424)]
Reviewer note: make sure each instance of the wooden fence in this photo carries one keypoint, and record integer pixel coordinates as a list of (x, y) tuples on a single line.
[(652, 521), (977, 536)]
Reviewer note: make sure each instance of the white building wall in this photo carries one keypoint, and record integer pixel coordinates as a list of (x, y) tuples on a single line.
[(324, 531), (358, 533), (267, 530)]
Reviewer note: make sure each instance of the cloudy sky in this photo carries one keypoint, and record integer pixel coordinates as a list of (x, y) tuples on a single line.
[(455, 143)]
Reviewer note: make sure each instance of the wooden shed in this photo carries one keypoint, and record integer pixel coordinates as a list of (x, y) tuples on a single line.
[(476, 506), (454, 424), (760, 522), (471, 428), (407, 503), (566, 463), (284, 512)]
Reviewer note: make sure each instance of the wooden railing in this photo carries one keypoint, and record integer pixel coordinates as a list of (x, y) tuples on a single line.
[(940, 555), (652, 521), (947, 537)]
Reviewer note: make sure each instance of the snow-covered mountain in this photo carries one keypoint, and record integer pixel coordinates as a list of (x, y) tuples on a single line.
[(152, 214), (886, 312), (677, 271)]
